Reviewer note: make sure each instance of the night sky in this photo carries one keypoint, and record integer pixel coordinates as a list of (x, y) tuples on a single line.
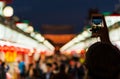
[(72, 12)]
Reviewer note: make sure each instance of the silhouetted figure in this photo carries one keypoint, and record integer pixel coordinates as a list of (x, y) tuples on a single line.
[(102, 61), (75, 70), (62, 74), (21, 66), (37, 70), (30, 72), (2, 70), (102, 58), (55, 68), (49, 74)]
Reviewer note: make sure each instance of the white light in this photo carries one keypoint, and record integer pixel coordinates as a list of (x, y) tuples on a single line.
[(78, 46), (110, 20), (8, 11), (38, 36), (81, 37), (66, 46), (22, 26), (86, 34), (75, 40), (30, 29), (32, 34), (41, 39), (46, 43)]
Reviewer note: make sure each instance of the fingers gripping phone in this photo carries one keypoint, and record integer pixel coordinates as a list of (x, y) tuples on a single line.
[(96, 22)]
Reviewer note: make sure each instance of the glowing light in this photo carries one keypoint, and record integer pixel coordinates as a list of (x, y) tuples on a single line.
[(8, 11), (30, 29)]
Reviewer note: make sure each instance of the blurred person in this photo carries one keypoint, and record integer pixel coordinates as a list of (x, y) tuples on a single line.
[(64, 59), (81, 70), (49, 74), (62, 73), (2, 70), (6, 69), (102, 58), (21, 66), (6, 66), (16, 74), (42, 66), (55, 68), (76, 69), (37, 70), (30, 72)]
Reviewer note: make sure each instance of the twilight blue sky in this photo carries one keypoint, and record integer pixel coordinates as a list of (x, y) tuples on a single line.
[(72, 12)]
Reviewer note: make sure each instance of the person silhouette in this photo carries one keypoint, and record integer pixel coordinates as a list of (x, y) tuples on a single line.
[(102, 58)]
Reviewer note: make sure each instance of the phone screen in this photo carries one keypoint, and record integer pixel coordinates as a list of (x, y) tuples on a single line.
[(97, 21)]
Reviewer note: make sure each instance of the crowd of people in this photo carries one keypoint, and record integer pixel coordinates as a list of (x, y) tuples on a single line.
[(51, 67), (55, 67)]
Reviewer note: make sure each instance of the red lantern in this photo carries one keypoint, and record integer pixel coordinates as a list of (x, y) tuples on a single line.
[(43, 53), (12, 48), (18, 50), (5, 48), (24, 50)]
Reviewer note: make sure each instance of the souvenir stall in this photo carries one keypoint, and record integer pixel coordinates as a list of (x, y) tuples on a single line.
[(16, 45)]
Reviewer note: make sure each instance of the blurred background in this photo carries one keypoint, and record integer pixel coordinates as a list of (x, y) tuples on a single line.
[(34, 29)]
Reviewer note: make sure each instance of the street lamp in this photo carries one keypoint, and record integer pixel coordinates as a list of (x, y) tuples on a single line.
[(8, 11)]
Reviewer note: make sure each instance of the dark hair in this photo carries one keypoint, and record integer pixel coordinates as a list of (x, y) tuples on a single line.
[(49, 64), (102, 60), (3, 64), (62, 67)]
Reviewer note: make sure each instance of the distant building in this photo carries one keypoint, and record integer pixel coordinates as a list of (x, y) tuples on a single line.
[(57, 29), (58, 34)]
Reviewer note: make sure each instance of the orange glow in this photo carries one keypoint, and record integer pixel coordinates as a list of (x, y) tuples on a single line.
[(59, 38)]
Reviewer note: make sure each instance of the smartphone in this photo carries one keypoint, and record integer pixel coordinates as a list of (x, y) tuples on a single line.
[(96, 22)]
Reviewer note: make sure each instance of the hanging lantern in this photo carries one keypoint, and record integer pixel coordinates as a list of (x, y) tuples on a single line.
[(12, 48), (25, 51), (18, 50), (5, 48)]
